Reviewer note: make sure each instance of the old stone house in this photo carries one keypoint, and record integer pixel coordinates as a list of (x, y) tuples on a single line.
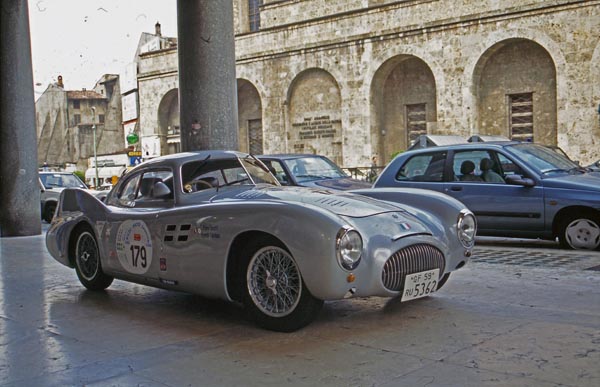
[(66, 120), (354, 78)]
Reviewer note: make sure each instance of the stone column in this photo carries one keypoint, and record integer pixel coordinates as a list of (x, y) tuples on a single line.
[(207, 81), (19, 187)]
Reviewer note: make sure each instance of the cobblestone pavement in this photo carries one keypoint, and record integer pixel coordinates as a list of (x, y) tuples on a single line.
[(519, 314), (537, 257)]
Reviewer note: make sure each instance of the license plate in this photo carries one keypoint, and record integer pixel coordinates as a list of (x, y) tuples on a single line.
[(419, 285)]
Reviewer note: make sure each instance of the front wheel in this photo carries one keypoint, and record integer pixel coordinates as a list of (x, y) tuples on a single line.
[(87, 261), (275, 294), (442, 281), (579, 231)]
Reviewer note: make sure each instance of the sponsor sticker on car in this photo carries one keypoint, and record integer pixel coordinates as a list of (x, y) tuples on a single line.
[(420, 284)]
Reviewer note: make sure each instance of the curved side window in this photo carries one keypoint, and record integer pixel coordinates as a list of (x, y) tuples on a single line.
[(151, 188)]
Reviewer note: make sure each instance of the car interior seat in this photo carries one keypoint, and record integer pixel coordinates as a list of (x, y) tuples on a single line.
[(146, 187)]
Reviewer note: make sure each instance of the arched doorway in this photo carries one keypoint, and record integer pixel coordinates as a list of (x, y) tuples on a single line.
[(314, 103), (515, 83), (403, 104), (249, 118), (168, 123)]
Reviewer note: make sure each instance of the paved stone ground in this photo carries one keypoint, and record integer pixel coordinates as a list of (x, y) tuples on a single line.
[(498, 322), (536, 257)]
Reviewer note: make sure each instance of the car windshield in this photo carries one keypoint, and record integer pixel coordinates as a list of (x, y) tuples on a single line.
[(257, 171), (313, 168), (543, 159), (61, 180), (216, 173)]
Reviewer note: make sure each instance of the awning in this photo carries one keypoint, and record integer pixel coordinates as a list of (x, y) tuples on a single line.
[(104, 172)]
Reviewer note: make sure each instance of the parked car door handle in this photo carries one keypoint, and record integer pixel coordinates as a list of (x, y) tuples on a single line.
[(456, 188)]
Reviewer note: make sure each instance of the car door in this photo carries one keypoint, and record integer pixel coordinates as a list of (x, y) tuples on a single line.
[(133, 235), (500, 208)]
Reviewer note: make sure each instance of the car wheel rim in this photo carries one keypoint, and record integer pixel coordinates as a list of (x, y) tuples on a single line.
[(87, 255), (583, 234), (274, 282)]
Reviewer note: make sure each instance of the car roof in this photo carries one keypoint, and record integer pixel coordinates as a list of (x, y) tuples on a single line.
[(470, 145), (288, 156), (183, 157)]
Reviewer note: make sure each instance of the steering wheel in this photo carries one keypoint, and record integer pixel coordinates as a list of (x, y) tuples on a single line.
[(189, 187)]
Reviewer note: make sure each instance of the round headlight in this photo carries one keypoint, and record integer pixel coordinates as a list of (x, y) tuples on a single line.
[(349, 248), (466, 228)]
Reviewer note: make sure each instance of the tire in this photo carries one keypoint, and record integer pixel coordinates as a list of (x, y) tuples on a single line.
[(580, 231), (442, 281), (274, 293), (49, 210), (87, 261)]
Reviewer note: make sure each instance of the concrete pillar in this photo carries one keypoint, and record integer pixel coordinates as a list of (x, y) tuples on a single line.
[(19, 187), (207, 82)]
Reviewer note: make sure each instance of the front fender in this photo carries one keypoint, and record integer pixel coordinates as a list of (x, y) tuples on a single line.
[(438, 210)]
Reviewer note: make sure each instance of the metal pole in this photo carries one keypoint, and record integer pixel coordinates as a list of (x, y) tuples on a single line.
[(95, 155)]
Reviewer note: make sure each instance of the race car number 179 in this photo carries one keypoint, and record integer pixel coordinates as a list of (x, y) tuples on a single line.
[(134, 246)]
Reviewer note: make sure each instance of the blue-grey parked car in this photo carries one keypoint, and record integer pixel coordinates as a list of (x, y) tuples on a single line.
[(515, 189), (308, 170)]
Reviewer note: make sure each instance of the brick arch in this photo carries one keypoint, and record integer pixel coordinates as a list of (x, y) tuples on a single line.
[(248, 74), (167, 116), (525, 71), (595, 77), (313, 105), (249, 117), (488, 45), (403, 94)]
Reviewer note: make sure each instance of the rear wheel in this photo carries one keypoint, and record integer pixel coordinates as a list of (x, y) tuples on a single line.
[(274, 293), (580, 231), (87, 261)]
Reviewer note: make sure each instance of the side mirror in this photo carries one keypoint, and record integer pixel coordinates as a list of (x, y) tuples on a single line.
[(520, 180), (160, 190)]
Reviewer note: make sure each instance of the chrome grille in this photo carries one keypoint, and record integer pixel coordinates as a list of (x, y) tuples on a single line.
[(409, 260)]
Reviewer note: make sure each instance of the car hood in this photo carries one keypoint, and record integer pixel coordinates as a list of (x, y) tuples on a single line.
[(584, 182), (342, 184), (339, 203)]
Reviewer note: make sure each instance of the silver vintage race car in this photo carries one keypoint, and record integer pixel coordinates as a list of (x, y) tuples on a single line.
[(218, 224)]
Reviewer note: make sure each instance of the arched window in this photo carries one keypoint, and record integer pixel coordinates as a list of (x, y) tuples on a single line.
[(254, 14)]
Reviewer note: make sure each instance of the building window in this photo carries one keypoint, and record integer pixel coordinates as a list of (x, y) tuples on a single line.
[(76, 119), (521, 116), (101, 118), (416, 123), (76, 104), (255, 137), (254, 14)]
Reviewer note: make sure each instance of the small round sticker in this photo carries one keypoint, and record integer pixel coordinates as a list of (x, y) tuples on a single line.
[(134, 246)]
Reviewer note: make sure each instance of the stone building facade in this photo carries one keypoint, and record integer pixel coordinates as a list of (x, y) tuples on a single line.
[(354, 78), (66, 119)]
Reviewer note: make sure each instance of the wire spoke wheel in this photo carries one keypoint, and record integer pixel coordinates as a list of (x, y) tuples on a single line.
[(274, 282), (87, 256)]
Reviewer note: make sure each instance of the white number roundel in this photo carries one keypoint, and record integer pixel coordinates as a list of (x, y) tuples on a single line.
[(134, 246)]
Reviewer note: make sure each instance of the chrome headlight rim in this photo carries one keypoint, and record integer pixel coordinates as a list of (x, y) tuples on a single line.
[(466, 236), (348, 258)]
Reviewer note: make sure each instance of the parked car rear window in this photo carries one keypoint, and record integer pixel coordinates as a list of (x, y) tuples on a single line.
[(423, 167)]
